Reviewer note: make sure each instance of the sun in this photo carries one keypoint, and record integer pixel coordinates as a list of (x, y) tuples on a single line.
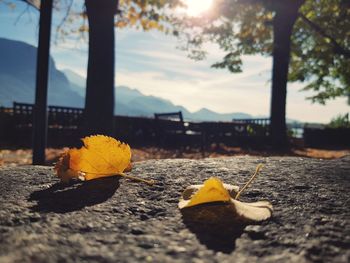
[(196, 7)]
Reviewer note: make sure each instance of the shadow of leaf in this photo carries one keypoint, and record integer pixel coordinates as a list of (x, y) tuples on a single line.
[(60, 198), (218, 235)]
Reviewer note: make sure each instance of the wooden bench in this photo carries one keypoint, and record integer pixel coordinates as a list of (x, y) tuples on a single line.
[(170, 129)]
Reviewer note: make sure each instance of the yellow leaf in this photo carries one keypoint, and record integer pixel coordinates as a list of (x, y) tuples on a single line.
[(153, 24), (144, 23), (101, 156), (83, 28), (197, 203), (212, 191), (133, 18), (120, 24)]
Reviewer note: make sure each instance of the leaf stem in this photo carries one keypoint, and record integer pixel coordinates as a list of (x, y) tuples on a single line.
[(130, 177), (257, 171)]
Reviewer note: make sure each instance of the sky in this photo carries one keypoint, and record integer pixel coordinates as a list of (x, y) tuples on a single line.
[(152, 63)]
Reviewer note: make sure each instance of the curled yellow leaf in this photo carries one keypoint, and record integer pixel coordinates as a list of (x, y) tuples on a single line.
[(212, 191), (218, 203)]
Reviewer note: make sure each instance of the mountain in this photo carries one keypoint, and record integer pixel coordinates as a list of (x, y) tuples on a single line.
[(77, 83), (133, 103), (75, 78), (18, 74), (67, 88), (208, 115)]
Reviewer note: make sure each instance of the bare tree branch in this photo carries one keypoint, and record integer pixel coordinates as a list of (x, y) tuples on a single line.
[(21, 14), (33, 3), (338, 49), (64, 19)]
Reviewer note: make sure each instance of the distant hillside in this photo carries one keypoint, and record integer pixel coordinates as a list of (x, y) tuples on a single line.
[(17, 77), (206, 114), (129, 102), (66, 88), (132, 102)]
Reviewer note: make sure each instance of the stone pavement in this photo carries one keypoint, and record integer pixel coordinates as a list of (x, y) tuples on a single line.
[(116, 220)]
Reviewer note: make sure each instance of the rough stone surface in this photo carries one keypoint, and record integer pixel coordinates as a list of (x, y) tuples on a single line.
[(111, 220)]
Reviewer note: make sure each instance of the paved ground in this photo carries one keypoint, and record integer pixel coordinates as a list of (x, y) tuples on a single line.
[(111, 220), (14, 157)]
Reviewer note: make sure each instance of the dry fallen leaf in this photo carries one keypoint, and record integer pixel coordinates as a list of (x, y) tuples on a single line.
[(101, 156), (216, 202), (212, 190)]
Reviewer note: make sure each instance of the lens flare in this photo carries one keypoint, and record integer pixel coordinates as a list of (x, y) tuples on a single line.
[(196, 7)]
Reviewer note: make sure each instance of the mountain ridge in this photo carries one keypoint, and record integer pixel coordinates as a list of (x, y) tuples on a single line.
[(66, 88), (126, 95), (18, 73)]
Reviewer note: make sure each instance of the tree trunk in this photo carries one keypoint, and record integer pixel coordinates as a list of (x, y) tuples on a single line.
[(286, 14), (99, 100), (42, 76)]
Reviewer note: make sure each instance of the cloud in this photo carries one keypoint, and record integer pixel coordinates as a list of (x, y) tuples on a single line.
[(176, 65), (300, 108), (221, 98)]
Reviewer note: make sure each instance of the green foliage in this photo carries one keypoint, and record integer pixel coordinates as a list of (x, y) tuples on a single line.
[(321, 49), (340, 121), (145, 14), (140, 14), (256, 129), (320, 54), (231, 61), (238, 27)]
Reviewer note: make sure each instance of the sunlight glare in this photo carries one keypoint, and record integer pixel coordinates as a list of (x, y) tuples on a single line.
[(196, 7)]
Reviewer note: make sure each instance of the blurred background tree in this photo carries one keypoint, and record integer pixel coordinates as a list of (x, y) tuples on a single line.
[(308, 40), (321, 49), (101, 18), (143, 14), (340, 121)]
